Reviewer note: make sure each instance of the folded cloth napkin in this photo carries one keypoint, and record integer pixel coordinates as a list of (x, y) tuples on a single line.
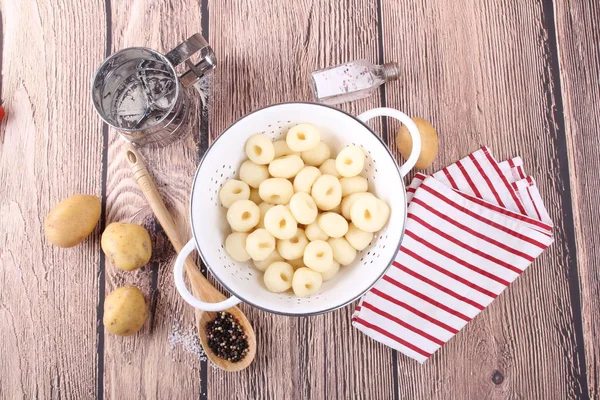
[(472, 228)]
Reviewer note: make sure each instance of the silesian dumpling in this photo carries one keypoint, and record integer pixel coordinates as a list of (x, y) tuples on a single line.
[(293, 248), (318, 256), (278, 276), (303, 208), (316, 156), (303, 137), (243, 215), (350, 162), (235, 246), (369, 213), (355, 184), (232, 191), (253, 174), (305, 179), (298, 211), (334, 225), (343, 252), (306, 282), (276, 190), (259, 149), (286, 167), (280, 222), (327, 192), (260, 244)]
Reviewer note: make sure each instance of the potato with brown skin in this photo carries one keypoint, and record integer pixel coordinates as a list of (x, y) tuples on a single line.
[(72, 220), (125, 311), (127, 246), (429, 142)]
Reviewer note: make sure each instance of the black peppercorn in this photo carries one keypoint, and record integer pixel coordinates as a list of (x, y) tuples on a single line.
[(226, 337)]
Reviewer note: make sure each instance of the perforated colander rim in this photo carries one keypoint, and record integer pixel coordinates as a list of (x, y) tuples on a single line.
[(344, 303)]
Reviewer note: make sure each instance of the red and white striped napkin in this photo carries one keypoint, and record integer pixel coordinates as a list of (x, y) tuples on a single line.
[(472, 229)]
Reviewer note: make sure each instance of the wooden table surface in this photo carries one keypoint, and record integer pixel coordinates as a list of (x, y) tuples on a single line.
[(522, 77)]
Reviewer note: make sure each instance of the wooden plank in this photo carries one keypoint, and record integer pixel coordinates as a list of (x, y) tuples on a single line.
[(482, 73), (578, 35), (266, 62), (50, 148), (145, 366)]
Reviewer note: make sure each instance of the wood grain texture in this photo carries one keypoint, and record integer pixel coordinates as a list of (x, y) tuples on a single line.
[(482, 72), (266, 62), (144, 366), (521, 77), (201, 288), (578, 37), (50, 148)]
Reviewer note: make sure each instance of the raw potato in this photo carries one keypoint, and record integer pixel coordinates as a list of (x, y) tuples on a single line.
[(292, 249), (276, 190), (348, 202), (278, 277), (280, 222), (429, 142), (286, 167), (72, 220), (318, 256), (282, 149), (232, 191), (314, 232), (253, 174), (343, 252), (243, 215), (328, 168), (305, 179), (235, 246), (350, 161), (125, 311), (334, 225), (369, 213), (331, 272), (357, 238), (263, 265), (327, 192), (260, 244), (259, 149), (303, 137), (127, 246), (316, 156), (355, 184), (303, 208), (306, 282)]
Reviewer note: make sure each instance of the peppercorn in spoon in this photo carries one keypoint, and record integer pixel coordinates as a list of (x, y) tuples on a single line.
[(229, 351)]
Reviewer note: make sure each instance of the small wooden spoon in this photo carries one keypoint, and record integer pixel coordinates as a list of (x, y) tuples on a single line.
[(201, 287)]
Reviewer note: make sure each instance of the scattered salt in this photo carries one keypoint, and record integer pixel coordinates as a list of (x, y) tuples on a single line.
[(187, 338)]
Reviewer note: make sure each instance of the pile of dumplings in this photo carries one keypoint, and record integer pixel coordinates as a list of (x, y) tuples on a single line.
[(298, 213)]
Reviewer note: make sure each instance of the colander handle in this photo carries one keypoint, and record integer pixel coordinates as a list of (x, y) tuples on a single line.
[(185, 293), (412, 129)]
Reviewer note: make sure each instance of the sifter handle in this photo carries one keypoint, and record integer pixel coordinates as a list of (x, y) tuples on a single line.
[(183, 53)]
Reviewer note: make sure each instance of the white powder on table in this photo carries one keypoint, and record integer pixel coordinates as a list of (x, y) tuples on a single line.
[(186, 338)]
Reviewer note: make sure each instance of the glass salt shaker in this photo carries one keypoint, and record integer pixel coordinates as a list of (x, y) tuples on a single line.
[(351, 81)]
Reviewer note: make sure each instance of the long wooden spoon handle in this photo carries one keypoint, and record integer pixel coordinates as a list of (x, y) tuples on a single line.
[(146, 184)]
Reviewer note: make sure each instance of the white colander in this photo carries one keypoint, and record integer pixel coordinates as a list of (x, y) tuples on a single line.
[(221, 162)]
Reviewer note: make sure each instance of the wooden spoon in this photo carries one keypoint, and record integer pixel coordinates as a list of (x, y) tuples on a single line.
[(201, 287)]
